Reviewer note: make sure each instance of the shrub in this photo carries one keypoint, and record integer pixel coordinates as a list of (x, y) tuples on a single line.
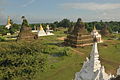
[(20, 61), (2, 39), (56, 51)]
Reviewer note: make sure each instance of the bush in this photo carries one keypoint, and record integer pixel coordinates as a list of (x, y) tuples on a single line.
[(56, 51), (20, 61), (2, 39)]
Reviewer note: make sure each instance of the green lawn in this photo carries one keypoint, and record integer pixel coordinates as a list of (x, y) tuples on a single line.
[(66, 68), (63, 70)]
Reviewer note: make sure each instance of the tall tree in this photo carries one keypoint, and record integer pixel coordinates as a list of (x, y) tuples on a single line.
[(65, 23)]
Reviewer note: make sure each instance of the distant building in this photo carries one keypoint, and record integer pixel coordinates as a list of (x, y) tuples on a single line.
[(8, 34), (8, 23), (96, 35), (26, 32), (78, 36), (48, 31), (116, 32), (35, 30), (70, 29), (92, 69), (105, 31), (41, 32)]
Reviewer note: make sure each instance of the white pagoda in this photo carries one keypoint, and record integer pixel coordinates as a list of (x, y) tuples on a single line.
[(118, 71), (92, 69), (96, 35), (48, 31), (8, 23), (35, 29), (41, 32)]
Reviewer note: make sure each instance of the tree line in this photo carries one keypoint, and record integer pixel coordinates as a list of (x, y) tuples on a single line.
[(113, 26)]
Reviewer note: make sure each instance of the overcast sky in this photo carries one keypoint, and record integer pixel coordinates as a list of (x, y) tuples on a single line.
[(51, 10)]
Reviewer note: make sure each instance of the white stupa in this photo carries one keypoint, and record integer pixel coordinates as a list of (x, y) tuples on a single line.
[(118, 71), (48, 31), (96, 35), (8, 23), (41, 32), (35, 29), (92, 69)]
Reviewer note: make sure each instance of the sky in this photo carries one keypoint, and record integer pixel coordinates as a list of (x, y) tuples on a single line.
[(42, 11)]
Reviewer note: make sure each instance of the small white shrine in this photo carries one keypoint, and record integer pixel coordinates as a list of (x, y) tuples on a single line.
[(118, 71), (96, 35), (92, 69), (41, 32), (35, 30), (8, 23), (48, 31)]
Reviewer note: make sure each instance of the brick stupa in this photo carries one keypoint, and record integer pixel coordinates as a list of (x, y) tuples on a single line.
[(26, 32), (105, 31), (79, 36)]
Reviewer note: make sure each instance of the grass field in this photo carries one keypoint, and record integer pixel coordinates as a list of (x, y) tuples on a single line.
[(65, 67)]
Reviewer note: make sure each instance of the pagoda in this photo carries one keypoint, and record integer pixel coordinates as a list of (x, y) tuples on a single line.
[(96, 35), (26, 32), (70, 29), (79, 36), (118, 71), (92, 69), (35, 29), (105, 31), (48, 31), (8, 26), (41, 32)]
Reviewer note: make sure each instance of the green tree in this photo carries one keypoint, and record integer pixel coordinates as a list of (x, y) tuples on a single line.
[(65, 23), (3, 30), (15, 27)]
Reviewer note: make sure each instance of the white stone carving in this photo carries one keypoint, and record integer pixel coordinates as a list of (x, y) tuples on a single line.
[(96, 35), (92, 69)]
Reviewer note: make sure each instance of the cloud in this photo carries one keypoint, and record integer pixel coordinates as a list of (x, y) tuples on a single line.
[(29, 3), (93, 11), (91, 6)]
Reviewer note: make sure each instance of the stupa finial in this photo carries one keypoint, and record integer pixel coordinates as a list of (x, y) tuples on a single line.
[(95, 27), (41, 28), (8, 20)]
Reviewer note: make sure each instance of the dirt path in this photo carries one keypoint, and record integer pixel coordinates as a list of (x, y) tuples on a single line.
[(78, 52), (61, 38)]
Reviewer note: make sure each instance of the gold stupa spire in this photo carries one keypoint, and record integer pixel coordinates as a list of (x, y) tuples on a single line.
[(95, 27), (41, 28), (8, 22)]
